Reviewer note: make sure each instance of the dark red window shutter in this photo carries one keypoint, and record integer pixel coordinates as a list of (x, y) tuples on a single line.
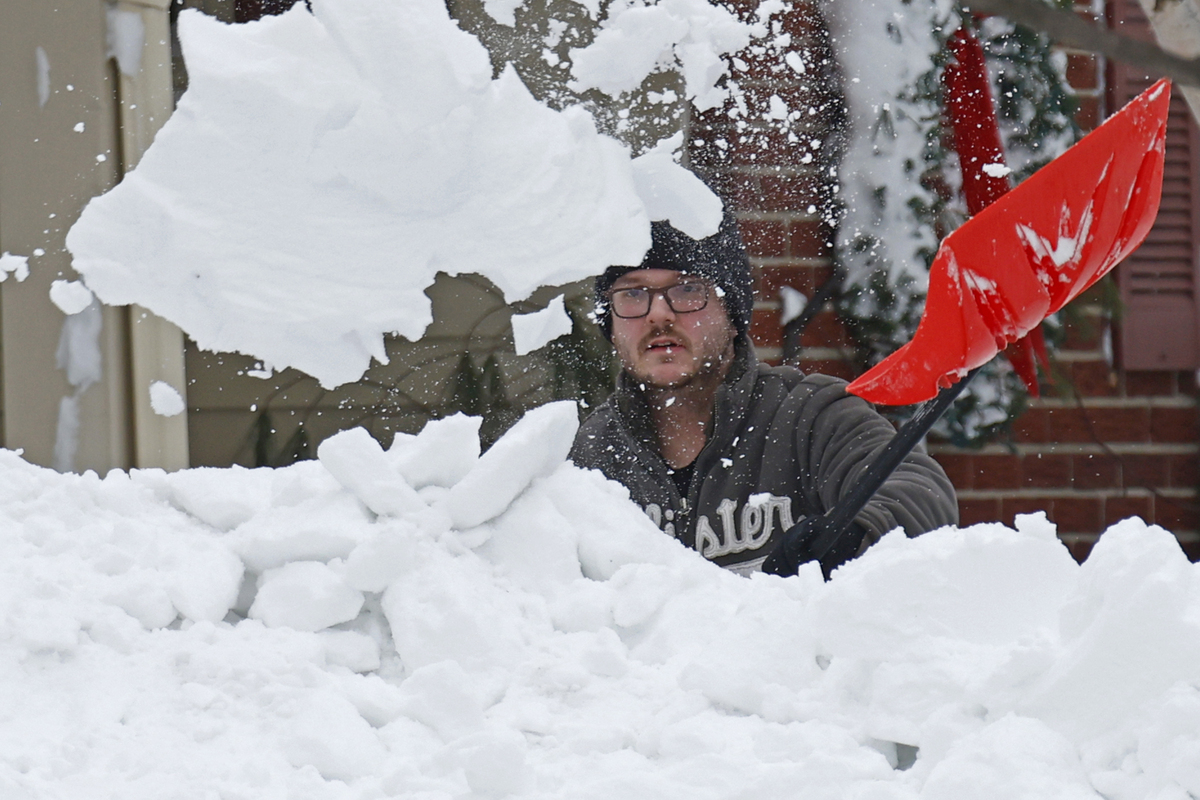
[(1160, 327)]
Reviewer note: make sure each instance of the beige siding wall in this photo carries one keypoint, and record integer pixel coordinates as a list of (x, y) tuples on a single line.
[(71, 122), (49, 168)]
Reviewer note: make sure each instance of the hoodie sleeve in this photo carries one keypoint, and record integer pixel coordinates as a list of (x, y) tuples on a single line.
[(837, 435)]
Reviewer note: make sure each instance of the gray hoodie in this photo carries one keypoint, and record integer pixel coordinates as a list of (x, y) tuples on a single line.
[(783, 446)]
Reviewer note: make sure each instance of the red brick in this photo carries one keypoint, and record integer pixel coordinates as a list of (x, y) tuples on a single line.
[(959, 469), (1177, 514), (765, 329), (1187, 383), (1082, 72), (809, 239), (1095, 472), (1092, 378), (1088, 114), (1124, 507), (765, 147), (1184, 471), (804, 277), (1174, 424), (764, 238), (1078, 514), (971, 512), (997, 471), (1073, 424), (1046, 471), (804, 22), (790, 192), (826, 330), (1157, 382), (1031, 426), (744, 191), (1148, 471)]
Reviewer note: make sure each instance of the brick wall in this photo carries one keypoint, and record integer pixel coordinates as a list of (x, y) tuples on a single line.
[(781, 186), (1102, 443)]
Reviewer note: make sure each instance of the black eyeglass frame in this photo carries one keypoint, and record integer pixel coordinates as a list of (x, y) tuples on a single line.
[(665, 291)]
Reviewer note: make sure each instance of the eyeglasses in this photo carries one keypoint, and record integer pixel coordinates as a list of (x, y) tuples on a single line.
[(635, 301)]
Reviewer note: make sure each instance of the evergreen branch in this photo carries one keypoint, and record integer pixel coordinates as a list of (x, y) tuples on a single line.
[(1070, 29)]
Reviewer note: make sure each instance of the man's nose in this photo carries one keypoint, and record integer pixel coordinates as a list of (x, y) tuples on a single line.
[(660, 309)]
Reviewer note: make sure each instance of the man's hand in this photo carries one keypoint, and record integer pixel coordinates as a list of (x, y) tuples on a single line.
[(800, 544)]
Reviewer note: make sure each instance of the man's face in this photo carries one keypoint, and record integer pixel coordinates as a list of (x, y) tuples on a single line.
[(666, 348)]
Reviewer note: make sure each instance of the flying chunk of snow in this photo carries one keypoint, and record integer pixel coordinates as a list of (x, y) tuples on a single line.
[(326, 232), (165, 400), (16, 265), (531, 331), (636, 39), (794, 302), (997, 170), (673, 193), (778, 109), (71, 297)]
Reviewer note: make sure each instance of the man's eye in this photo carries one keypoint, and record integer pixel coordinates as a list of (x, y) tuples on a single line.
[(689, 289), (632, 294)]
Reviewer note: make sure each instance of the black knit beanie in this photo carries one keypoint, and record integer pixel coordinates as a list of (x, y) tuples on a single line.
[(721, 258)]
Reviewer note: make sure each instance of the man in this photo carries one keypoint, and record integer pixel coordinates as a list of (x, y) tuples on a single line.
[(725, 453)]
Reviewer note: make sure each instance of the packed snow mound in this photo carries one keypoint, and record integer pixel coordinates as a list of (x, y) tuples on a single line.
[(264, 633), (323, 167)]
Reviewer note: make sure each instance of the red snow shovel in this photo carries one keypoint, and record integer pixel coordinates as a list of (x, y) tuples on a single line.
[(1001, 273), (1028, 254)]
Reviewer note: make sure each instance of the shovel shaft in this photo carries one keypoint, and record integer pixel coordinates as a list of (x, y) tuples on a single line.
[(837, 519)]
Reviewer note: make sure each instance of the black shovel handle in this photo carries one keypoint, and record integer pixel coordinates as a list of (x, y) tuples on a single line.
[(836, 520)]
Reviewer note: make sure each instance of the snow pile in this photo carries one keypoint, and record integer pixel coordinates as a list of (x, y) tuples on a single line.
[(515, 627), (323, 167)]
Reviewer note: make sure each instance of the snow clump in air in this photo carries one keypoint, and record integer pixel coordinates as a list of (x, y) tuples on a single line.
[(380, 151), (531, 331), (71, 297), (266, 633), (13, 265), (636, 39), (165, 400)]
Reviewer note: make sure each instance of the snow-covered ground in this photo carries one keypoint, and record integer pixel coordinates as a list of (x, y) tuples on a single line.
[(422, 622)]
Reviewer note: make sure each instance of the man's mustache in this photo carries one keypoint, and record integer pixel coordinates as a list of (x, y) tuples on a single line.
[(665, 331)]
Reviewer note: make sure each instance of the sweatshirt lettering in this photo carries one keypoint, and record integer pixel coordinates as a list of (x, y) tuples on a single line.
[(734, 532)]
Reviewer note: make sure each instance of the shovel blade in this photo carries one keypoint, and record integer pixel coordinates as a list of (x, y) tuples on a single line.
[(1031, 252)]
